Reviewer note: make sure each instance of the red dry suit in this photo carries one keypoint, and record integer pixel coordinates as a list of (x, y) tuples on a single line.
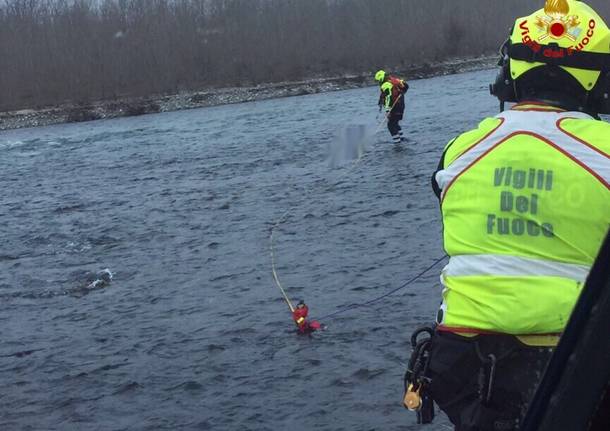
[(299, 315)]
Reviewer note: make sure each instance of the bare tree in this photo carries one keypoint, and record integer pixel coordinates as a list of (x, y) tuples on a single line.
[(54, 51)]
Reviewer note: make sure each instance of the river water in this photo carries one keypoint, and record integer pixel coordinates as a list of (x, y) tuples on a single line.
[(135, 276)]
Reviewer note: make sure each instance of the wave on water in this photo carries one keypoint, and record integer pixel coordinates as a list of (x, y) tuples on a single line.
[(105, 277), (94, 281), (91, 282), (11, 144)]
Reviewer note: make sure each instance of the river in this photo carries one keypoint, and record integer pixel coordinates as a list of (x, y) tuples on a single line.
[(135, 274)]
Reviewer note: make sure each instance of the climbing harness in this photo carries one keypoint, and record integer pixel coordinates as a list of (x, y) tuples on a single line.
[(416, 378)]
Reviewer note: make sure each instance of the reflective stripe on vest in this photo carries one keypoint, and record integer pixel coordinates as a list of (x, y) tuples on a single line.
[(538, 125), (512, 266)]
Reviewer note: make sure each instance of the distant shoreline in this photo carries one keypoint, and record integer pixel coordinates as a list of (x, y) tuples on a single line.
[(129, 106)]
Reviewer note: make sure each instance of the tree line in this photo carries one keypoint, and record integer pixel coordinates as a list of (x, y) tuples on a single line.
[(55, 51)]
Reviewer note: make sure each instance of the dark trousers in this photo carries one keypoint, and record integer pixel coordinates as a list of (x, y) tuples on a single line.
[(484, 383), (395, 116), (393, 125)]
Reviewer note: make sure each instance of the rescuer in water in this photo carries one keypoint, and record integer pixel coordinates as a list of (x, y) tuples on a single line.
[(392, 99), (299, 315), (525, 203)]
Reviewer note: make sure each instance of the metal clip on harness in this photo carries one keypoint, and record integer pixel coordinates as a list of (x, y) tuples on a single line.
[(416, 378)]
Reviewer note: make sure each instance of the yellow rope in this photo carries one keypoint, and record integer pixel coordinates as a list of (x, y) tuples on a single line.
[(275, 276)]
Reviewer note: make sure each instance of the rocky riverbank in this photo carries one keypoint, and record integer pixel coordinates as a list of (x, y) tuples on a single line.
[(68, 113)]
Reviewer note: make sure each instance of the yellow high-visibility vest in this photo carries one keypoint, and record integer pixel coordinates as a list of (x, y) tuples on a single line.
[(526, 204)]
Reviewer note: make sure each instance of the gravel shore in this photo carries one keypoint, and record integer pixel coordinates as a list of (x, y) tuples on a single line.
[(68, 113)]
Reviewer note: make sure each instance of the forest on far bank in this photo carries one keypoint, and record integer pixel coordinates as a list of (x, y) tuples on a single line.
[(56, 51)]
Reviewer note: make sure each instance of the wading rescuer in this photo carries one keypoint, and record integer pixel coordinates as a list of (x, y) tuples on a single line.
[(525, 202), (392, 99), (299, 315)]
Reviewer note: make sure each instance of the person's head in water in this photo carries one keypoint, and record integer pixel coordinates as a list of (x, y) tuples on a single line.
[(559, 55), (380, 77), (301, 304)]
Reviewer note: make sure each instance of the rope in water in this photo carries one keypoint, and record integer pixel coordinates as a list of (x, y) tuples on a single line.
[(385, 295), (284, 216)]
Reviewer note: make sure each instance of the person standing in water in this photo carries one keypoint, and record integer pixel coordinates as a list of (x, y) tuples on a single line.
[(392, 99)]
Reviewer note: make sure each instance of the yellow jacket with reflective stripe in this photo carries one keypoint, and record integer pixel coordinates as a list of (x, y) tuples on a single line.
[(525, 200)]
